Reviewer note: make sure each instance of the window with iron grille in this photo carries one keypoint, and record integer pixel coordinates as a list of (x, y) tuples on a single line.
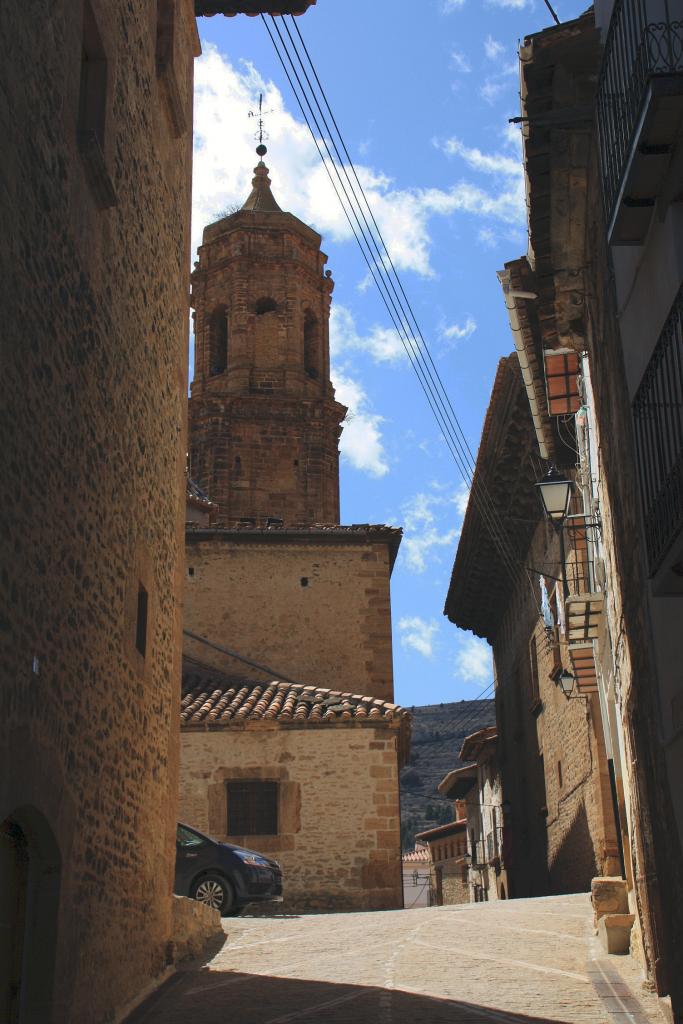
[(252, 808)]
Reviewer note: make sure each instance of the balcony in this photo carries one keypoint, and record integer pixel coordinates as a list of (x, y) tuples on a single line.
[(586, 600), (658, 423), (639, 106)]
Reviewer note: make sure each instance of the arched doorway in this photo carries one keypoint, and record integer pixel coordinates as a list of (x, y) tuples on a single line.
[(29, 903)]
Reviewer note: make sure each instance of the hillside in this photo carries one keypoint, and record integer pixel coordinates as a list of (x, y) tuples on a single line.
[(437, 734)]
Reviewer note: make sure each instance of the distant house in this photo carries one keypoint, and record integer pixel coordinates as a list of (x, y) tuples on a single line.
[(416, 877), (447, 846), (307, 775), (476, 788)]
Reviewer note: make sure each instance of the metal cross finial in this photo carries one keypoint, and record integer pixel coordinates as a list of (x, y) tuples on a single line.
[(260, 132)]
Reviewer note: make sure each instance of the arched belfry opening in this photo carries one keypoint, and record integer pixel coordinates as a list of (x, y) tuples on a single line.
[(218, 341), (264, 305), (30, 870), (312, 352)]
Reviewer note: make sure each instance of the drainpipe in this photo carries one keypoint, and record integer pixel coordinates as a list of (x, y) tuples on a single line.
[(527, 376)]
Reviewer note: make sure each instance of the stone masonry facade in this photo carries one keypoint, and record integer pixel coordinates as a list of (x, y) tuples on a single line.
[(560, 823), (556, 781), (338, 808), (95, 116), (313, 607)]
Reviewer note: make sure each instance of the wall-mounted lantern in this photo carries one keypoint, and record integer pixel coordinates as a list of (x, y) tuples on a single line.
[(555, 491), (566, 682)]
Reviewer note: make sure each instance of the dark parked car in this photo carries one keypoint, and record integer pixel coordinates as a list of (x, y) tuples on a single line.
[(223, 876)]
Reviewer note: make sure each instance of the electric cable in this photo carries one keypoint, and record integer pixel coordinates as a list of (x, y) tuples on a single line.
[(412, 342), (384, 251), (435, 385), (432, 386)]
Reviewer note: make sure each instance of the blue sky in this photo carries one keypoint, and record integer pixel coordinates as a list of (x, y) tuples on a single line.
[(423, 104)]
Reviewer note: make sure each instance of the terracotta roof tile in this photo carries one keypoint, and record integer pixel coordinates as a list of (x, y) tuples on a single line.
[(416, 856), (214, 699)]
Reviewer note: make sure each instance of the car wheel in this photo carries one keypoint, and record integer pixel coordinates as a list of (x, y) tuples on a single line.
[(215, 891)]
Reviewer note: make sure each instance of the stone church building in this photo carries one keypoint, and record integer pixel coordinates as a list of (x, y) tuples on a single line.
[(289, 683)]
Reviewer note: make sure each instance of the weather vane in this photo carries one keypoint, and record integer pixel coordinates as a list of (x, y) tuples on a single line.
[(260, 133)]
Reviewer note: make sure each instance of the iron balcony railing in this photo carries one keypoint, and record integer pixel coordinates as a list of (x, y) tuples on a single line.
[(643, 41), (658, 422)]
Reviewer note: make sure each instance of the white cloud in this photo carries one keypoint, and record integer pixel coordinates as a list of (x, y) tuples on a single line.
[(458, 332), (487, 163), (487, 238), (461, 499), (382, 343), (418, 634), (516, 5), (492, 48), (361, 439), (492, 89), (449, 6), (499, 84), (224, 157), (424, 534), (473, 661), (461, 62), (506, 202)]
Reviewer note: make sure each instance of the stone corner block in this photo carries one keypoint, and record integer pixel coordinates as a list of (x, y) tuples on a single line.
[(609, 895), (614, 932), (196, 928)]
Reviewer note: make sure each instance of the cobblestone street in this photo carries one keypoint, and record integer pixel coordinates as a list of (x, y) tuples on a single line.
[(518, 961)]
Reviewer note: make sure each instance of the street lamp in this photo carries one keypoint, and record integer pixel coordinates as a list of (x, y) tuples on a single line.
[(555, 491), (566, 682)]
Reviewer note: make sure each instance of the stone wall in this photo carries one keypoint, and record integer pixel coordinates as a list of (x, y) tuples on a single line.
[(338, 807), (316, 612), (454, 881), (627, 653), (94, 254), (197, 929), (556, 779)]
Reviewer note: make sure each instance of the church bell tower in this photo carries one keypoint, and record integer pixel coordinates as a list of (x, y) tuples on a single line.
[(264, 425)]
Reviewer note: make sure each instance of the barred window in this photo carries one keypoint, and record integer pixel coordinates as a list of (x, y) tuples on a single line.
[(252, 808)]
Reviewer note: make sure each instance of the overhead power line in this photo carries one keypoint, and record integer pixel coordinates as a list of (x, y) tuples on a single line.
[(312, 101)]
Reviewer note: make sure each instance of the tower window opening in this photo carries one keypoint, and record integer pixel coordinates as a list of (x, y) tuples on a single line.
[(311, 347), (265, 305), (218, 341), (141, 622)]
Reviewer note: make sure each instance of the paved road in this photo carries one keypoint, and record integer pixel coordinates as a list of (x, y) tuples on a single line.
[(517, 962)]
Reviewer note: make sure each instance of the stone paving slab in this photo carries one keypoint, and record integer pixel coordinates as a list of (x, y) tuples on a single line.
[(516, 962)]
